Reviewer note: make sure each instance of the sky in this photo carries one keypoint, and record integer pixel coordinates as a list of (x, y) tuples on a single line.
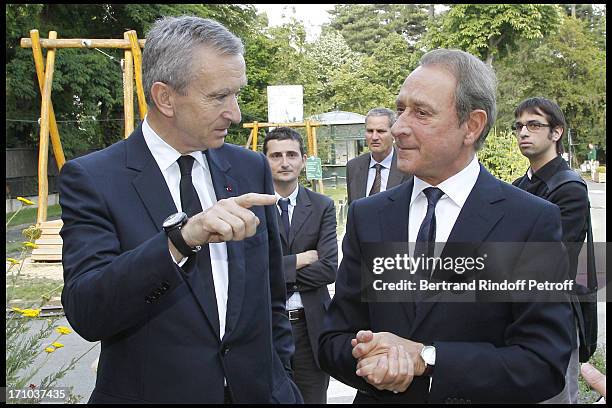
[(312, 15)]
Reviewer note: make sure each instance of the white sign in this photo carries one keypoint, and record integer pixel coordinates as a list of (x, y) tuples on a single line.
[(285, 103)]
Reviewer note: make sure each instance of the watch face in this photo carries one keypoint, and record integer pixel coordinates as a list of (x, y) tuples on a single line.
[(429, 355), (174, 219)]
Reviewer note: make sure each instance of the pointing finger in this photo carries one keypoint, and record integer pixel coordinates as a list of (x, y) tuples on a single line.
[(250, 199)]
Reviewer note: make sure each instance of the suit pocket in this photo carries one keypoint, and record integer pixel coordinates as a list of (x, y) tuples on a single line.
[(286, 393)]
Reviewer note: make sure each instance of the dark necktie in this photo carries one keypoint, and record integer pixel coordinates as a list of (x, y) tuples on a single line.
[(376, 185), (283, 203), (190, 202), (425, 241)]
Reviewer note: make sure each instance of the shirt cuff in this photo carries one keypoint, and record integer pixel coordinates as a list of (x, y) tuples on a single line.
[(178, 263)]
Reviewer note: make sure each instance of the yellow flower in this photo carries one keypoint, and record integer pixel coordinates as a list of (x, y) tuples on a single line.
[(16, 309), (49, 349), (30, 312), (32, 233), (13, 261), (25, 201), (63, 330), (30, 245), (57, 345)]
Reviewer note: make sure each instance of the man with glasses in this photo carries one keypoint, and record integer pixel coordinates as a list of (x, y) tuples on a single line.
[(539, 126)]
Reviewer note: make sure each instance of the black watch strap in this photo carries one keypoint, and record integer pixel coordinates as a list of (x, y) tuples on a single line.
[(179, 242)]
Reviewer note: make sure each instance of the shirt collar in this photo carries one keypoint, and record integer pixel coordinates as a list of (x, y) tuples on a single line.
[(546, 171), (386, 163), (292, 197), (457, 187), (164, 154)]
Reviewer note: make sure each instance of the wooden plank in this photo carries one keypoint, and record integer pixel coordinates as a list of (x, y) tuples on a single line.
[(81, 43), (57, 249), (128, 91), (49, 240), (52, 223), (51, 231), (47, 257)]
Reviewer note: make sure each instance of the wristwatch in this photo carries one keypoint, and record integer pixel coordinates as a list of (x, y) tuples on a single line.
[(428, 354), (172, 226)]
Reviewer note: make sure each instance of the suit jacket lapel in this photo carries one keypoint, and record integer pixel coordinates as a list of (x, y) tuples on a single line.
[(225, 187), (361, 181), (479, 215), (393, 221), (301, 212), (149, 182)]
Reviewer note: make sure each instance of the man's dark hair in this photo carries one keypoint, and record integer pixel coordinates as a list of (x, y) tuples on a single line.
[(547, 108), (283, 133)]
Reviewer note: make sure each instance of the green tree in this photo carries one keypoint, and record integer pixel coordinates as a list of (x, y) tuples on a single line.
[(502, 157), (365, 26), (492, 30)]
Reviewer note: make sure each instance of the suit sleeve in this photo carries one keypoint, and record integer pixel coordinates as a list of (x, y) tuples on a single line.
[(281, 328), (105, 287), (573, 201), (323, 271), (536, 351), (346, 314)]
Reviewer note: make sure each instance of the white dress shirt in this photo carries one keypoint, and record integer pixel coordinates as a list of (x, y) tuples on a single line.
[(384, 172), (166, 157), (456, 191), (294, 301)]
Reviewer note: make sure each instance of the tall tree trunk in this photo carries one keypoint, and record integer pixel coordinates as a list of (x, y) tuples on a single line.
[(573, 10), (431, 11)]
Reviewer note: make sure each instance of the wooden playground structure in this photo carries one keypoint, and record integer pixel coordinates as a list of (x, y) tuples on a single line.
[(50, 243)]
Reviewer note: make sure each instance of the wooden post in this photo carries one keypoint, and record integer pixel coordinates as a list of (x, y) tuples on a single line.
[(128, 91), (313, 131), (81, 43), (248, 143), (255, 131), (56, 143), (308, 138), (142, 104), (43, 151)]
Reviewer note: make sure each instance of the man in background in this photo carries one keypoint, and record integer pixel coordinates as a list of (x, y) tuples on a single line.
[(539, 127), (307, 223), (376, 170)]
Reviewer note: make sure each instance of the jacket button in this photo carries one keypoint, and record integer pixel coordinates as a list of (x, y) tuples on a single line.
[(295, 287), (225, 350)]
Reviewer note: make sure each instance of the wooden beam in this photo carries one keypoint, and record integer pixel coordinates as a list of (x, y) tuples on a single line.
[(254, 133), (142, 104), (81, 43), (292, 124), (56, 143), (128, 92), (43, 151)]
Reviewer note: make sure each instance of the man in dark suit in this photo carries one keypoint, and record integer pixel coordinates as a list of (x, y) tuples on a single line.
[(189, 305), (307, 222), (437, 351), (539, 126), (376, 170)]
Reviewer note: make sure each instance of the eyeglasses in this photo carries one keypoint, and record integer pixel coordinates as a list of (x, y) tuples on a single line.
[(532, 126)]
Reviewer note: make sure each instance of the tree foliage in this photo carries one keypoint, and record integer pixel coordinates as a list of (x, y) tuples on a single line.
[(492, 30)]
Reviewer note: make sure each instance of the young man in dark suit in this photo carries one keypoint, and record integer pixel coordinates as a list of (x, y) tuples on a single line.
[(172, 255), (539, 126), (307, 222), (436, 351), (376, 170)]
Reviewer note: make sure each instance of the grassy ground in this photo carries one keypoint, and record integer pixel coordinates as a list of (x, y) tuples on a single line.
[(29, 292), (28, 215)]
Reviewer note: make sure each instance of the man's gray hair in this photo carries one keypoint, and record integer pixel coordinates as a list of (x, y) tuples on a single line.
[(169, 49), (382, 112), (476, 85)]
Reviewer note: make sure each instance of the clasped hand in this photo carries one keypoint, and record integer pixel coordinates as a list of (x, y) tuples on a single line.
[(386, 361)]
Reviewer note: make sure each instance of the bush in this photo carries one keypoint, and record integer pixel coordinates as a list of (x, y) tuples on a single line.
[(502, 157)]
